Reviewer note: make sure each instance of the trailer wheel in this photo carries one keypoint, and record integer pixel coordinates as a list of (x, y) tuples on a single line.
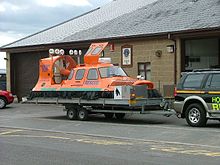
[(120, 116), (109, 115), (83, 114), (71, 114)]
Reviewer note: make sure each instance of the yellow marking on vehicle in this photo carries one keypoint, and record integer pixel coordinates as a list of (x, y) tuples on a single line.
[(216, 107), (131, 102), (184, 150), (10, 132), (214, 92), (189, 92), (103, 142)]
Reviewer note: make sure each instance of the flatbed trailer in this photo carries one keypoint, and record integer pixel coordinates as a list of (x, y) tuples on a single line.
[(97, 86), (81, 108)]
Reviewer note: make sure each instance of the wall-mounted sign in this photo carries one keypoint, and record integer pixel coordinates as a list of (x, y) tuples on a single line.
[(126, 56), (112, 47)]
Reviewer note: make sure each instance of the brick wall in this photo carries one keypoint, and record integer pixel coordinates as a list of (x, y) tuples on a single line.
[(162, 68)]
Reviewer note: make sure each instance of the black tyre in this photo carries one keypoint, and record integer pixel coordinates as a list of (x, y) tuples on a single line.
[(83, 114), (109, 115), (71, 114), (120, 116), (3, 103), (196, 115)]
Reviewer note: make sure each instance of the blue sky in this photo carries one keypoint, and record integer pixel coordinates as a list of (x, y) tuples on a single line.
[(19, 18)]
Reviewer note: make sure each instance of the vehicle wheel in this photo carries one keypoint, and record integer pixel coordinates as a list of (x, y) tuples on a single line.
[(196, 115), (109, 115), (120, 116), (2, 103), (82, 114), (71, 114)]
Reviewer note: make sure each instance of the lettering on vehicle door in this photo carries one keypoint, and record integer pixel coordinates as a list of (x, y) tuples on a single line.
[(216, 103)]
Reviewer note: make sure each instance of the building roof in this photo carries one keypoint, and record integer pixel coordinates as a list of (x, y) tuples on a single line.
[(124, 18)]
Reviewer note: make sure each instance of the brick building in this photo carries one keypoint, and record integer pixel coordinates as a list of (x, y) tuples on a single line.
[(164, 38)]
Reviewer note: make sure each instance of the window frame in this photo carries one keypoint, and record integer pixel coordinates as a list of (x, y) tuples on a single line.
[(145, 70), (129, 47), (126, 75), (97, 50), (77, 73), (71, 75), (96, 72)]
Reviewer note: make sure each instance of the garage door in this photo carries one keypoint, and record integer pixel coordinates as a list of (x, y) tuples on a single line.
[(24, 72)]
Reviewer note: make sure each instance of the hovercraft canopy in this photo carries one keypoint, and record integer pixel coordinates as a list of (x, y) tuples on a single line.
[(93, 53)]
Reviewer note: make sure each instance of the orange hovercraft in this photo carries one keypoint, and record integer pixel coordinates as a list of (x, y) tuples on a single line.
[(60, 76)]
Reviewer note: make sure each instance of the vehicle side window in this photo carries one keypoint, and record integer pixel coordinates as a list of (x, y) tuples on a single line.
[(104, 72), (80, 74), (93, 74), (215, 81), (71, 74), (193, 81)]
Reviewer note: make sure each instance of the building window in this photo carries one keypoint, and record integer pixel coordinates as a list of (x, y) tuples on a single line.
[(144, 69)]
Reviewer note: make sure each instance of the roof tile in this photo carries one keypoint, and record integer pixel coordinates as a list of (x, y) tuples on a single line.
[(127, 18)]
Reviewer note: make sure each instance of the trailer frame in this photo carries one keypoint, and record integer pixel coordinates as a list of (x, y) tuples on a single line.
[(124, 106)]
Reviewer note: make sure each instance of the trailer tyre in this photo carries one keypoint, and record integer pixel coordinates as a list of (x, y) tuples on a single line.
[(120, 116), (83, 114), (71, 114), (109, 115)]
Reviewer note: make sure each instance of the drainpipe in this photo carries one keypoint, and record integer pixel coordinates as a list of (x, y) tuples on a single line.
[(175, 58)]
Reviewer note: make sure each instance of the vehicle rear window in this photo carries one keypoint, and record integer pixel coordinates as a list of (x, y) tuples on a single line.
[(193, 81)]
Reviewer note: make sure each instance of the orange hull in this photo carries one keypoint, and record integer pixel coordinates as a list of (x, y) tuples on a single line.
[(61, 73)]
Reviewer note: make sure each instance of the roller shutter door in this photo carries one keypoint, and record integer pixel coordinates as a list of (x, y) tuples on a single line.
[(24, 72)]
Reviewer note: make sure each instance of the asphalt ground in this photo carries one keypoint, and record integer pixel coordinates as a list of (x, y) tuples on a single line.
[(41, 134)]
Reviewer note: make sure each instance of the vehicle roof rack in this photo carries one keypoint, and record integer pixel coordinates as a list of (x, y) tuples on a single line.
[(205, 70)]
